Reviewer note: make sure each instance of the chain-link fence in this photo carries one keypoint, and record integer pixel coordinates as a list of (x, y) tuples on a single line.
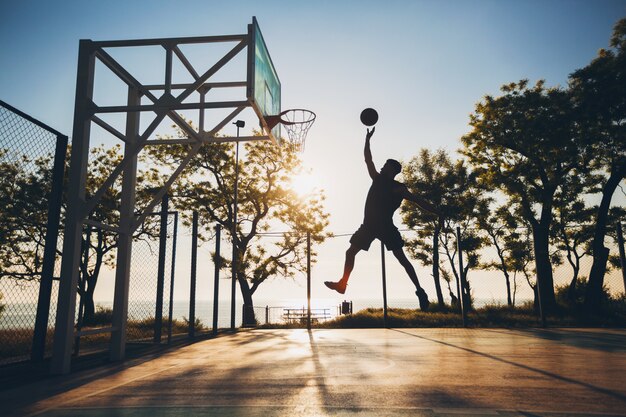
[(203, 301), (30, 192), (487, 282), (151, 278)]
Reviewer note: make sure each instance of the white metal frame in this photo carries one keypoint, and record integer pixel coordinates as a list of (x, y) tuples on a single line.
[(79, 208)]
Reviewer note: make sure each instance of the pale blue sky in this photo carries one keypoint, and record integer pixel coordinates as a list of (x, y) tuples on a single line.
[(422, 64)]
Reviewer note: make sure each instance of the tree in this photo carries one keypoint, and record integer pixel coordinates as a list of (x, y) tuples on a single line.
[(451, 188), (522, 260), (599, 92), (501, 230), (99, 246), (572, 230), (265, 201), (24, 198), (524, 144)]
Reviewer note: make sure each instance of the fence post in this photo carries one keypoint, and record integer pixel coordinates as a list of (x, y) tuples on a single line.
[(216, 280), (384, 273), (158, 310), (464, 294), (267, 314), (194, 259), (622, 256), (172, 274), (308, 279), (49, 252)]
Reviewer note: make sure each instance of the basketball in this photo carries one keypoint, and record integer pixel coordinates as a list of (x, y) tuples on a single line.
[(369, 117)]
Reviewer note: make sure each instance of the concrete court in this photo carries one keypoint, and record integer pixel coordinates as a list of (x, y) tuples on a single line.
[(352, 372)]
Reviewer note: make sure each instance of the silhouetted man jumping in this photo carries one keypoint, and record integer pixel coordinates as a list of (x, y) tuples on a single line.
[(383, 199)]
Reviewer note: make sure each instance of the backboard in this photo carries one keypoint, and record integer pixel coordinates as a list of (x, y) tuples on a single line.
[(263, 83)]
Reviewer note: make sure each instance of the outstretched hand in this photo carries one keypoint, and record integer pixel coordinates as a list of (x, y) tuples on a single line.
[(370, 133)]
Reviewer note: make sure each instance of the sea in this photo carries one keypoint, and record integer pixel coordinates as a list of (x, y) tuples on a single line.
[(22, 315)]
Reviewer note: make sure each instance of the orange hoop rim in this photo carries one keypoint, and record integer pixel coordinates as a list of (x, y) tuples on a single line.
[(273, 120)]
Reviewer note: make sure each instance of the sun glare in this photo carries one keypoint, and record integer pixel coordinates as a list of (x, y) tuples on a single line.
[(304, 183)]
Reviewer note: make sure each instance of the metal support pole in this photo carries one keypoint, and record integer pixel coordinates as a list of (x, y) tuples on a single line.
[(66, 305), (49, 252), (172, 274), (622, 256), (201, 111), (308, 279), (233, 292), (125, 237), (158, 310), (384, 270), (216, 280), (192, 286), (464, 294), (233, 289)]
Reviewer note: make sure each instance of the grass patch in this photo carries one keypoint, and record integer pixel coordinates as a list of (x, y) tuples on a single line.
[(490, 316), (16, 343)]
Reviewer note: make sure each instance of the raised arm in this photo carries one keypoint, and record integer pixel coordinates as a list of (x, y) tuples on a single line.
[(421, 203), (371, 169)]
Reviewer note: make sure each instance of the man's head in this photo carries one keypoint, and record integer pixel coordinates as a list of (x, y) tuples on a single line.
[(391, 168)]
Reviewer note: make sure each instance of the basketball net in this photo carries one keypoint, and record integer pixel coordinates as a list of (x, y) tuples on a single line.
[(297, 123)]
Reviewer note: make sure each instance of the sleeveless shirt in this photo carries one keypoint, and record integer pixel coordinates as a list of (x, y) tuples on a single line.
[(382, 201)]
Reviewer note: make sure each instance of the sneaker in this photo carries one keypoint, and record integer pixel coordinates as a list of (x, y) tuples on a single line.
[(423, 298), (337, 286)]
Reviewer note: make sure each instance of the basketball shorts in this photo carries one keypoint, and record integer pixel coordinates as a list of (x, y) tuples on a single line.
[(388, 234)]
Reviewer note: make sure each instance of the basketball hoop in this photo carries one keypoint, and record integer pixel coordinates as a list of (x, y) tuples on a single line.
[(297, 122)]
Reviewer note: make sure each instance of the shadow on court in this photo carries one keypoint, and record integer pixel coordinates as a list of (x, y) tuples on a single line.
[(351, 372)]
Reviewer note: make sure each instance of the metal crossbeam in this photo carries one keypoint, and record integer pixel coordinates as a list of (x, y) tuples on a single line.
[(108, 128), (124, 75), (159, 195), (100, 225), (230, 55), (178, 106), (185, 62), (163, 41), (183, 86), (91, 204)]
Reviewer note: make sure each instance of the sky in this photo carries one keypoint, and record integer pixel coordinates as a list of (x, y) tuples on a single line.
[(422, 64)]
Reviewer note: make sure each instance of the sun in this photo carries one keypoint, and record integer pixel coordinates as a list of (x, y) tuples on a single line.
[(304, 183)]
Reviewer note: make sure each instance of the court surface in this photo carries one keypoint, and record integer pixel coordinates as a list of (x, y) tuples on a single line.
[(352, 372)]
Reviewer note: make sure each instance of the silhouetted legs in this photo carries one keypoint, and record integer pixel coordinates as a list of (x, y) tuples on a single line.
[(421, 294), (340, 286), (349, 264), (406, 264)]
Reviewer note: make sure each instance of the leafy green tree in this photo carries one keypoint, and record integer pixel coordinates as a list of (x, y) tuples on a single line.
[(24, 198), (99, 246), (266, 201), (572, 230), (522, 259), (524, 144), (470, 244), (599, 92), (501, 229), (426, 175), (449, 186)]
